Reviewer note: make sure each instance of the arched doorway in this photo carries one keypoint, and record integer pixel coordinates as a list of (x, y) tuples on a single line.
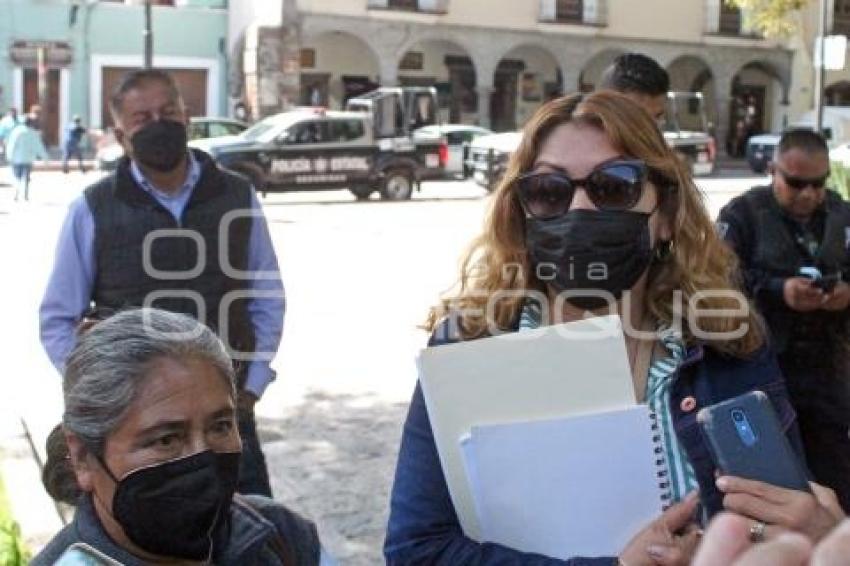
[(757, 91), (525, 77), (592, 71), (689, 73), (335, 66), (447, 67)]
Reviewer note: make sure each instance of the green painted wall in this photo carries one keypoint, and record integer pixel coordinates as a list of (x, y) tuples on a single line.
[(195, 30)]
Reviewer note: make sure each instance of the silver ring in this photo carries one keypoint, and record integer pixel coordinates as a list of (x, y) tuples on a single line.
[(757, 531)]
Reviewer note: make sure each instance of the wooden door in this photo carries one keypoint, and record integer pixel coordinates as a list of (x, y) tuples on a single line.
[(503, 101), (49, 116)]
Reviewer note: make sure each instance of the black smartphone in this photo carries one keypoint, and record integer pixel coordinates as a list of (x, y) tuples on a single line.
[(747, 441)]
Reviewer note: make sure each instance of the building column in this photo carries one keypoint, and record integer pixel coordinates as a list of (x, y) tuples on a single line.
[(485, 93), (389, 70), (723, 98)]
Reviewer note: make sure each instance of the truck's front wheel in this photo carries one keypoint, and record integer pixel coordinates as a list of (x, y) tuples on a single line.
[(398, 185)]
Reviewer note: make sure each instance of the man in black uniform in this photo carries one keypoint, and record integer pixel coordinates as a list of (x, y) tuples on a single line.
[(793, 240)]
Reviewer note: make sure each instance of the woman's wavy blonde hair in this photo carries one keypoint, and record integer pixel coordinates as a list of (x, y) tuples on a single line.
[(698, 262)]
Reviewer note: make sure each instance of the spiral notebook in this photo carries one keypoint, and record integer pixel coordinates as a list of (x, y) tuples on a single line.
[(576, 486), (549, 372)]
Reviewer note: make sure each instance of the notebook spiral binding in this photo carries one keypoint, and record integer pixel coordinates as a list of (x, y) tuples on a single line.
[(661, 463)]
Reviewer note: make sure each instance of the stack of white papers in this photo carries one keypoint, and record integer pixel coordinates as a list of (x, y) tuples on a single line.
[(520, 470)]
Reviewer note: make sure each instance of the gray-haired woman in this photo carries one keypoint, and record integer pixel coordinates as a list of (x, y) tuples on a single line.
[(153, 450)]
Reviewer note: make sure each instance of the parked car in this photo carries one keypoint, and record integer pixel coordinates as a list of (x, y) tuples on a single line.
[(836, 128), (760, 150), (489, 155), (458, 138), (199, 128), (686, 130), (202, 128)]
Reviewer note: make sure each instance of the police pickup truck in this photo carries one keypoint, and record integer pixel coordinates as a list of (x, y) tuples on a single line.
[(366, 148), (685, 129)]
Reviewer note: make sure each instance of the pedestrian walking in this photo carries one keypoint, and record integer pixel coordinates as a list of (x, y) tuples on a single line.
[(171, 229), (793, 241), (72, 144), (24, 147), (7, 124)]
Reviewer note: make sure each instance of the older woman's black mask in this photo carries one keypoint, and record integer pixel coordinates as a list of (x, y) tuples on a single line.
[(177, 509), (590, 250)]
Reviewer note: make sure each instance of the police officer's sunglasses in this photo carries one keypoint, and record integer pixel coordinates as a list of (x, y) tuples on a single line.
[(800, 183), (615, 185)]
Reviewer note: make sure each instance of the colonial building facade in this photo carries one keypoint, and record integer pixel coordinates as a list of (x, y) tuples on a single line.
[(494, 61), (66, 56)]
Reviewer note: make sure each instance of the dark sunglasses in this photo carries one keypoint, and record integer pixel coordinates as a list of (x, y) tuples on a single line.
[(800, 183), (612, 186)]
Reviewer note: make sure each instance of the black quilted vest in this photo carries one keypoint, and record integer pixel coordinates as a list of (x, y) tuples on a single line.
[(175, 278)]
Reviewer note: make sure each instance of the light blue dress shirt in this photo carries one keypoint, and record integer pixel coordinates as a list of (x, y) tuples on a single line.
[(69, 290)]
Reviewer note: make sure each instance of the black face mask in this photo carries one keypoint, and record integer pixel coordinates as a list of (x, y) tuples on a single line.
[(160, 145), (177, 509), (587, 250)]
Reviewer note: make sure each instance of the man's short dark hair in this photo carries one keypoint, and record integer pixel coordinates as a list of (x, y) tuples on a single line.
[(804, 139), (137, 79), (635, 72)]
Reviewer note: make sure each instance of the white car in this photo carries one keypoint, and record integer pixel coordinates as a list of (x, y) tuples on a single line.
[(841, 153), (489, 155), (458, 138)]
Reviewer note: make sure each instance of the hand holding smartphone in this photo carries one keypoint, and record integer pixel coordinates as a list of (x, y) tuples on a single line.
[(747, 441)]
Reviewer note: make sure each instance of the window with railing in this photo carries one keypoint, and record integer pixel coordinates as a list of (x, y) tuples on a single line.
[(841, 17), (570, 11), (584, 12), (730, 20)]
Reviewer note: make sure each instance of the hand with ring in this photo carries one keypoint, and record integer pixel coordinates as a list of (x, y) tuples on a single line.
[(757, 531), (774, 510), (728, 542)]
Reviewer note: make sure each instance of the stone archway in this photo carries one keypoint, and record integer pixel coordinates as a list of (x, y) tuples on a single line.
[(447, 66), (335, 66), (757, 89), (526, 76), (690, 73)]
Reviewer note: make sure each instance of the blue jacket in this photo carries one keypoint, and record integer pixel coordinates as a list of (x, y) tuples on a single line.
[(424, 529)]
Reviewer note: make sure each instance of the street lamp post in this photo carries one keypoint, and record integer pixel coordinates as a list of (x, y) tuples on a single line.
[(820, 70), (148, 36)]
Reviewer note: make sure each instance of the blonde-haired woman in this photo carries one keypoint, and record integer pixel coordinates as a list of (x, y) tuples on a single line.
[(597, 214)]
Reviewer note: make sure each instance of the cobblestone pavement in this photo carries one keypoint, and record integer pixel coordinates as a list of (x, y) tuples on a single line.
[(333, 460)]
